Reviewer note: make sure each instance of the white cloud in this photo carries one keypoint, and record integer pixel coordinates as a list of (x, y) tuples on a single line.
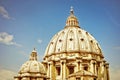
[(4, 13), (24, 53), (7, 74), (7, 39), (39, 41)]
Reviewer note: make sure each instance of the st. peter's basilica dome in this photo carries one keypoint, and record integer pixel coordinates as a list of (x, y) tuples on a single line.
[(74, 54), (73, 39)]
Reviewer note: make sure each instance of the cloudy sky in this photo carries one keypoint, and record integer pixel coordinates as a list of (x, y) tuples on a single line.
[(25, 24)]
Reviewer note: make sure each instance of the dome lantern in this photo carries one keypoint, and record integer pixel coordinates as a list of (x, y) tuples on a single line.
[(33, 55), (32, 69), (72, 20)]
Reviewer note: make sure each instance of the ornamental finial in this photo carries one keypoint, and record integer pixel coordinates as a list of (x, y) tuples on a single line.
[(71, 11), (34, 49)]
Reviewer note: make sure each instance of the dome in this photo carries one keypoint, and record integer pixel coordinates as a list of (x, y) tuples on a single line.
[(32, 66), (73, 39)]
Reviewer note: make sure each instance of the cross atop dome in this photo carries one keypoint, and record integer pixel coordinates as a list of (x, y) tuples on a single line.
[(34, 50), (71, 11)]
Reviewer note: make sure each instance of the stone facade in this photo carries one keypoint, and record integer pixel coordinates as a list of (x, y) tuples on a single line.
[(72, 54)]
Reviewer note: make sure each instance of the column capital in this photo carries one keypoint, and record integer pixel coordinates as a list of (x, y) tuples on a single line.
[(50, 63), (93, 61), (63, 61), (106, 65), (104, 61), (78, 60)]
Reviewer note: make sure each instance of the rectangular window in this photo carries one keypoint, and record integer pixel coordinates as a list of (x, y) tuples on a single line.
[(78, 78), (58, 70), (71, 70), (86, 68), (94, 78)]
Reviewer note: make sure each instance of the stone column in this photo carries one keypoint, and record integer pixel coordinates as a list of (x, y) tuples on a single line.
[(95, 69), (52, 70), (99, 71), (77, 66), (81, 65), (108, 77), (92, 66), (102, 67), (48, 70), (82, 78), (106, 72), (61, 73), (63, 67), (67, 71), (78, 63), (64, 70)]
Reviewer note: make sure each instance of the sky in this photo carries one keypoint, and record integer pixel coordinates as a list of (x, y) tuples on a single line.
[(29, 24)]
